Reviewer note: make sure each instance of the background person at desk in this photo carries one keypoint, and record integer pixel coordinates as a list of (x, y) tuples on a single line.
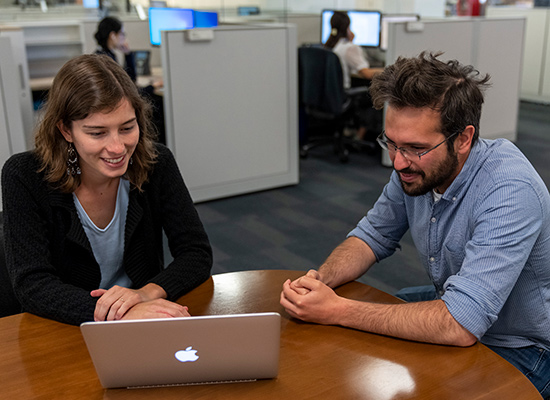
[(353, 62), (479, 215), (84, 212), (110, 36)]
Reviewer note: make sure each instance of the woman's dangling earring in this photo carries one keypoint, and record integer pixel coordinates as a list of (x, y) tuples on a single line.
[(72, 161)]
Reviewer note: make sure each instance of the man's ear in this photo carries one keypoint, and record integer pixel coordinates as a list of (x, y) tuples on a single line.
[(64, 131), (463, 142)]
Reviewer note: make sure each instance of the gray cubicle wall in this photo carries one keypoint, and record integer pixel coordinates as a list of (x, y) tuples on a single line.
[(493, 46), (535, 82), (231, 108), (12, 139), (23, 94)]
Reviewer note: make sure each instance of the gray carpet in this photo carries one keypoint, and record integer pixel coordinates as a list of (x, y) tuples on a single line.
[(296, 227)]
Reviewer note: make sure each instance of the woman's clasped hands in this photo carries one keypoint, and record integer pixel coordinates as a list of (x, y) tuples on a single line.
[(124, 303)]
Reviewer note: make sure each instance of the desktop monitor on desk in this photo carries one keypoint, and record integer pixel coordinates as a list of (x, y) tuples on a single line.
[(173, 19), (168, 19), (205, 19), (365, 25), (250, 10), (90, 3)]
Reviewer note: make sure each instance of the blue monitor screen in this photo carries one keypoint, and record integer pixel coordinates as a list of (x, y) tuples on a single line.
[(205, 19), (168, 19), (90, 3), (365, 25)]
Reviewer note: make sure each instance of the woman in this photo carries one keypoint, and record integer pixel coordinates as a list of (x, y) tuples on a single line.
[(353, 62), (341, 42), (110, 37), (84, 212)]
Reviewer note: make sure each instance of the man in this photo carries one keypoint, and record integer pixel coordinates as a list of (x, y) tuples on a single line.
[(479, 215)]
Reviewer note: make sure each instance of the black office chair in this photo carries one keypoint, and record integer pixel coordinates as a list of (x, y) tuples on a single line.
[(8, 303), (326, 108)]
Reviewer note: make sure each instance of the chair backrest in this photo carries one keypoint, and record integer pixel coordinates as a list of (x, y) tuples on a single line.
[(321, 82), (8, 303)]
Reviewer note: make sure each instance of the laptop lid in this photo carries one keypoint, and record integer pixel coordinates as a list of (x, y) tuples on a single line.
[(176, 351)]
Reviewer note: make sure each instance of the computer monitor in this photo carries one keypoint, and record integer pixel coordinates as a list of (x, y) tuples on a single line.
[(205, 19), (251, 10), (90, 3), (142, 60), (365, 25), (168, 19), (386, 19)]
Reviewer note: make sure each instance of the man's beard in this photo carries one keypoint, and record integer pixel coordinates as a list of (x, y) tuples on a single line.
[(441, 174)]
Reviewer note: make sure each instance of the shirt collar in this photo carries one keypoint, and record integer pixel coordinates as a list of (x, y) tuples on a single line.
[(469, 169)]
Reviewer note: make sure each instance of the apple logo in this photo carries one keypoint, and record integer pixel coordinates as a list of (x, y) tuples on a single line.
[(187, 355)]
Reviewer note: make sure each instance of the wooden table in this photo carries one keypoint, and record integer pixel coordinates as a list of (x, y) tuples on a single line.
[(47, 359)]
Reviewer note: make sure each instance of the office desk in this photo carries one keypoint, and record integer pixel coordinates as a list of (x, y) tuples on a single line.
[(49, 359), (45, 83)]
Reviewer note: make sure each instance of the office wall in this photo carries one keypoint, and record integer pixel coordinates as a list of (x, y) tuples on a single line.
[(535, 79)]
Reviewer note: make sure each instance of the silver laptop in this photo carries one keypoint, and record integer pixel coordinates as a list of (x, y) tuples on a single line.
[(178, 351)]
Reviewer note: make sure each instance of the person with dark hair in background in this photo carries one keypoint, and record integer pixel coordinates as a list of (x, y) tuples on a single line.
[(479, 215), (85, 211), (353, 62), (111, 37)]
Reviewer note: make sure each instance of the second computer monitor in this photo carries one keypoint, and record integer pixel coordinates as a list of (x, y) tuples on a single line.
[(365, 25), (205, 19)]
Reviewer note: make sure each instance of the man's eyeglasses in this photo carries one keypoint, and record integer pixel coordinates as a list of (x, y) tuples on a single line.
[(410, 153)]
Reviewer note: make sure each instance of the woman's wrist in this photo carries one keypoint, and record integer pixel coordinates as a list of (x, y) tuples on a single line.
[(152, 291)]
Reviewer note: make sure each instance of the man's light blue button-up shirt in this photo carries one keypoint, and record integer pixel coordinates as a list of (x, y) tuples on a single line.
[(485, 244)]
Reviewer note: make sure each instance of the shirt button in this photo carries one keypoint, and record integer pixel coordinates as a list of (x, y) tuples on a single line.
[(454, 198), (441, 292), (433, 219), (432, 259)]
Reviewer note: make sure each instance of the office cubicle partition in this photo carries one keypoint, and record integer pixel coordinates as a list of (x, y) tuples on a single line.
[(535, 80), (230, 107), (12, 138), (493, 46)]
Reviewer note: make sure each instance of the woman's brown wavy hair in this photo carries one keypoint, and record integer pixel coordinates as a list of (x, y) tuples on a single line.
[(86, 85)]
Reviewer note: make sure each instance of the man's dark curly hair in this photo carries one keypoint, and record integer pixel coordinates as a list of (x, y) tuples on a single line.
[(452, 89)]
